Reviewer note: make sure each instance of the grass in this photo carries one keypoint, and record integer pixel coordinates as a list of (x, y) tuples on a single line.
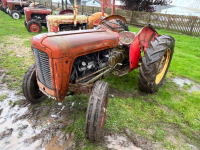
[(169, 112), (3, 96)]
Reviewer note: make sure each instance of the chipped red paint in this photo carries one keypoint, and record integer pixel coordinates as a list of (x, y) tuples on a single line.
[(62, 52), (31, 10), (141, 42)]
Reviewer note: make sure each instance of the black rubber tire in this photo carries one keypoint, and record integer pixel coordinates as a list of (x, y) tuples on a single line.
[(25, 24), (36, 22), (30, 87), (151, 62), (16, 12), (123, 25), (6, 9), (98, 101)]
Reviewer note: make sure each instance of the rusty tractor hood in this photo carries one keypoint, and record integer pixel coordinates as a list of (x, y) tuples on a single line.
[(55, 20), (75, 43), (31, 10)]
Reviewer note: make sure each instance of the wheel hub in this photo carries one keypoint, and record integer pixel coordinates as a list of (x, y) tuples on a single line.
[(163, 66), (15, 15), (34, 27)]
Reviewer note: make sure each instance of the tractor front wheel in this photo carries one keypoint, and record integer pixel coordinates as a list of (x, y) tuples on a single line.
[(96, 111), (30, 87), (25, 24), (155, 63), (16, 14), (34, 26)]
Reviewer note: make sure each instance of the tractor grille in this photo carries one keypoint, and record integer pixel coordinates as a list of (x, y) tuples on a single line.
[(43, 67)]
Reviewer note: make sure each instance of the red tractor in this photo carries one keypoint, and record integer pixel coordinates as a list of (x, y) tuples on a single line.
[(4, 6), (76, 61), (35, 17), (16, 8)]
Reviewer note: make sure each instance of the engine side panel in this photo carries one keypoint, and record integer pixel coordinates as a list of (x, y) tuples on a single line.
[(63, 50)]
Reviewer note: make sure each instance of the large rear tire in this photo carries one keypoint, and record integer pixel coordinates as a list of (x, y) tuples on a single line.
[(96, 111), (30, 87), (155, 63)]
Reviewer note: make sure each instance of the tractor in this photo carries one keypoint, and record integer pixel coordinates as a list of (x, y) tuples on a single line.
[(71, 62), (16, 8), (35, 17), (4, 6)]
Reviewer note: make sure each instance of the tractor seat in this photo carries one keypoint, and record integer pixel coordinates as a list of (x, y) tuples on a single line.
[(126, 38)]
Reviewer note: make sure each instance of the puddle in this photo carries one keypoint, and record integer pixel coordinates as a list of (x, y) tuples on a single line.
[(120, 143), (185, 81), (24, 126)]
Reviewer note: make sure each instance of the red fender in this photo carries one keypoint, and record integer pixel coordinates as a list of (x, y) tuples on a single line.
[(141, 42)]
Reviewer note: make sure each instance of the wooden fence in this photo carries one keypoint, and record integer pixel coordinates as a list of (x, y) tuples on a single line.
[(186, 24)]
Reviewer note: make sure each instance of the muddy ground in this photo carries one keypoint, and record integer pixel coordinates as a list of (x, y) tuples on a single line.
[(27, 126)]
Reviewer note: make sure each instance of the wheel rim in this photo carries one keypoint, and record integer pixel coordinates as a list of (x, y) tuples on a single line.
[(15, 15), (163, 66), (34, 27), (104, 113)]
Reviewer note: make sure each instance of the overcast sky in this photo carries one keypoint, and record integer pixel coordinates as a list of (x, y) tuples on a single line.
[(187, 3)]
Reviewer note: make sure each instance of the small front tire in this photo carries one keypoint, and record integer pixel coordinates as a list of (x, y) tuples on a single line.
[(96, 111), (16, 14), (30, 87), (34, 26)]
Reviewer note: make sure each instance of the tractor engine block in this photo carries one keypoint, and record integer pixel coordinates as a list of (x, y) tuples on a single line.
[(90, 63)]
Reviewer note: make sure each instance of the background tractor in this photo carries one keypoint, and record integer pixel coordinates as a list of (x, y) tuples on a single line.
[(76, 61), (16, 8), (73, 21), (35, 17), (69, 21), (4, 6)]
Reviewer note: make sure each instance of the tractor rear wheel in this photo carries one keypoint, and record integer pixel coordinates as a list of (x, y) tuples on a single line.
[(96, 111), (16, 14), (34, 26), (155, 63), (30, 87)]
